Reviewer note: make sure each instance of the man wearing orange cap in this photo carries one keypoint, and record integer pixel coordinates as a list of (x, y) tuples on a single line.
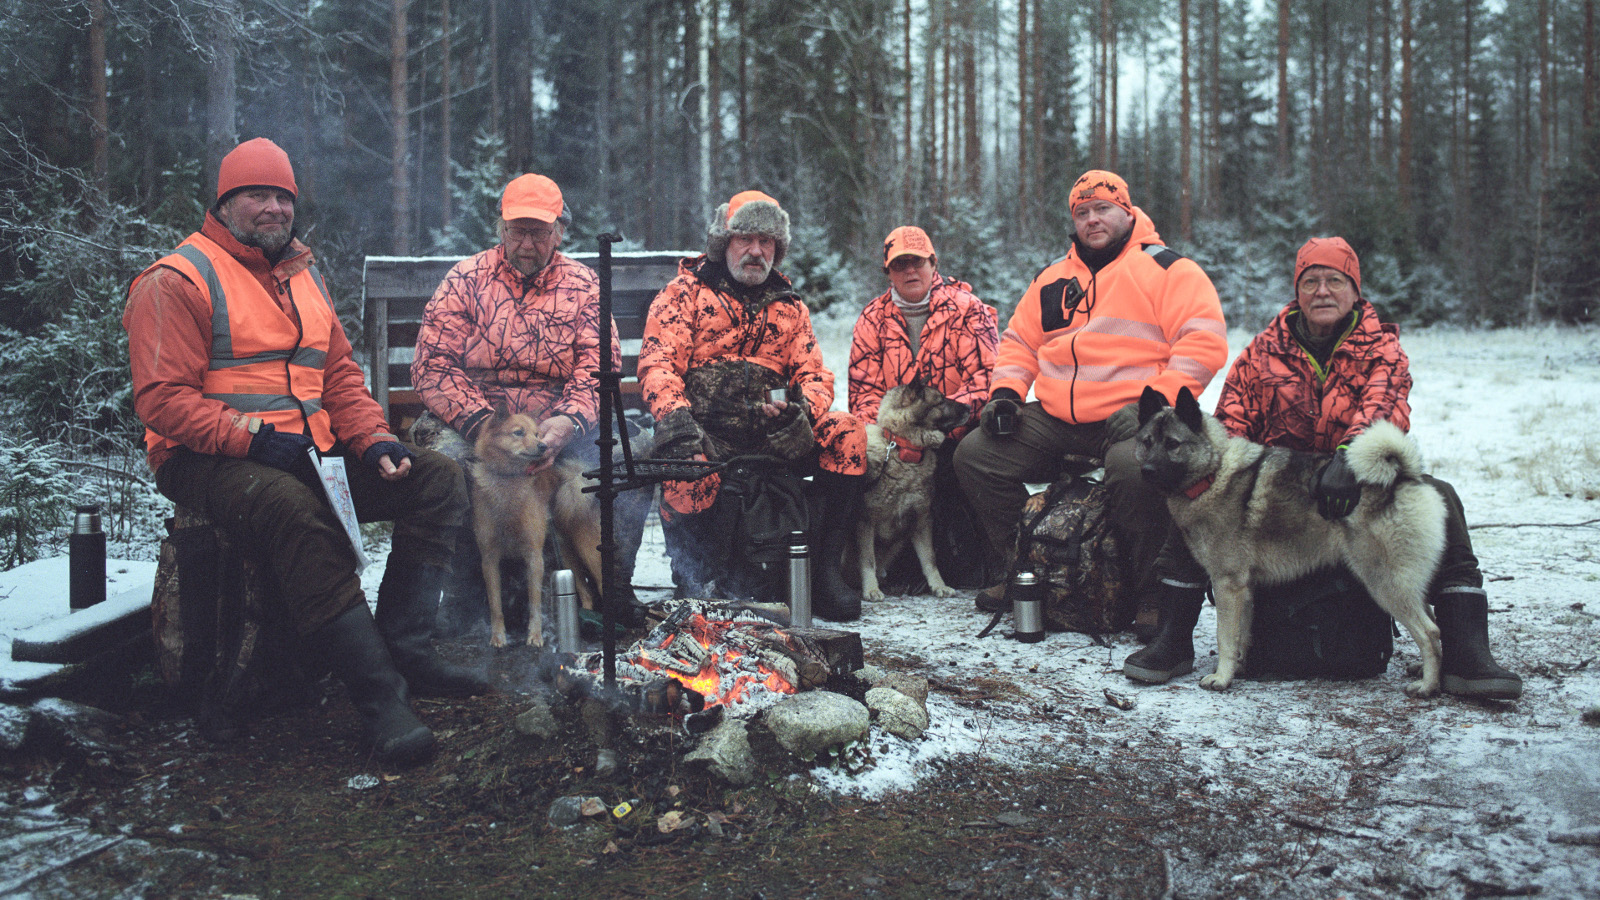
[(518, 324), (931, 327), (1119, 313), (240, 370), (1324, 370), (719, 338)]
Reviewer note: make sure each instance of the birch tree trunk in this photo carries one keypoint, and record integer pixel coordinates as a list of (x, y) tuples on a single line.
[(222, 35)]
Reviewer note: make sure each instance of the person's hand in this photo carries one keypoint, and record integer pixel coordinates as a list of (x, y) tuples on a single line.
[(390, 458), (678, 435), (1336, 490), (282, 450), (1004, 404), (1123, 424)]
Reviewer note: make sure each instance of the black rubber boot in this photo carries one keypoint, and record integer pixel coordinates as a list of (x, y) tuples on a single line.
[(685, 537), (351, 646), (630, 511), (831, 531), (1468, 668), (408, 607), (1171, 652)]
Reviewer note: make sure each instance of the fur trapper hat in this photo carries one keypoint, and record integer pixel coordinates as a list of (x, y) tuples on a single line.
[(748, 212)]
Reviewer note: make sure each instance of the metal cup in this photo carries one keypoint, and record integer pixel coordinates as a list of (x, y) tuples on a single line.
[(1027, 608), (1005, 424), (778, 395)]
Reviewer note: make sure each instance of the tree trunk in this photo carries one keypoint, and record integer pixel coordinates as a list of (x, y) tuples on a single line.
[(1024, 205), (744, 99), (446, 85), (1591, 78), (908, 160), (99, 127), (1386, 81), (1407, 79), (222, 34), (1185, 131), (1283, 88), (1546, 139), (972, 153), (703, 67), (401, 121)]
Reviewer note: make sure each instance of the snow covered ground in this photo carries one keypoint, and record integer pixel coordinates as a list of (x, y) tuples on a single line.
[(1501, 797)]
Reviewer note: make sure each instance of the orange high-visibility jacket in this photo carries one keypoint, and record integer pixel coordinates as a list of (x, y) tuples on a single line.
[(215, 349), (1089, 343)]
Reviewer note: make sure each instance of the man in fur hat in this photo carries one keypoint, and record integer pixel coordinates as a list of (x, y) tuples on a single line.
[(719, 338)]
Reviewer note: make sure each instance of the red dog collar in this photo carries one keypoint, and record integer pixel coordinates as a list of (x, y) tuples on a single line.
[(899, 444), (1199, 487)]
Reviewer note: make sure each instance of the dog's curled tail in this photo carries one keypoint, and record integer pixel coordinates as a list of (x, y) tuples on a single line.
[(1382, 454)]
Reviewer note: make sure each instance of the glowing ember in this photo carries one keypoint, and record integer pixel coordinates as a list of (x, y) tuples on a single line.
[(728, 657)]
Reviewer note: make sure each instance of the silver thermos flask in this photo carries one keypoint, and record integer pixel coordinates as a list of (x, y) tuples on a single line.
[(86, 558), (1027, 608), (799, 581), (566, 612)]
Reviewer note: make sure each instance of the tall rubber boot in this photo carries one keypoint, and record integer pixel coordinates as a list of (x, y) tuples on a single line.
[(688, 549), (831, 531), (630, 510), (1468, 668), (408, 607), (1171, 652), (351, 646)]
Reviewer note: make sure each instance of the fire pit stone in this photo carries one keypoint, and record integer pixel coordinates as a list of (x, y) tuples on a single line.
[(900, 715), (807, 724), (725, 753)]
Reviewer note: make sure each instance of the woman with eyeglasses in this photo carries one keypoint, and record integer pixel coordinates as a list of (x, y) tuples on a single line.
[(1320, 374)]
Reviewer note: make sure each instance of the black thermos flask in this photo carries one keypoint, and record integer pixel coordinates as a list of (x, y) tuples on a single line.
[(86, 556)]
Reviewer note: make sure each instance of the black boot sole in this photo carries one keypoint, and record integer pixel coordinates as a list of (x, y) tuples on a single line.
[(1482, 688), (1156, 676)]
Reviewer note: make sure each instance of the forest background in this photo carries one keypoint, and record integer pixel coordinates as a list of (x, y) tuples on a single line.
[(1455, 143)]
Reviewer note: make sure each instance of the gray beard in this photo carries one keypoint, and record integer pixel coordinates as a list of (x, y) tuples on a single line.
[(749, 279), (271, 246)]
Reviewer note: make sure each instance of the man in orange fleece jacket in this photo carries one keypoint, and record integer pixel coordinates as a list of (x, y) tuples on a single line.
[(1118, 313)]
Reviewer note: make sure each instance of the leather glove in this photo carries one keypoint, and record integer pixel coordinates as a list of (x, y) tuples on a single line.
[(1123, 424), (1002, 401), (284, 450), (1336, 490), (395, 450), (678, 435), (789, 433)]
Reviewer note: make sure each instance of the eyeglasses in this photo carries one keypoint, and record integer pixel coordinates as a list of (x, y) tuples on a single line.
[(516, 234), (906, 263), (1334, 283)]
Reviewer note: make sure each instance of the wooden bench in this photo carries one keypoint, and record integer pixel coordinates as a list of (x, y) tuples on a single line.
[(395, 289)]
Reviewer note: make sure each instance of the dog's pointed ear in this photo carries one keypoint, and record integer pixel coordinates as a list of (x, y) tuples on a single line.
[(1151, 402), (916, 383), (1189, 410), (502, 411)]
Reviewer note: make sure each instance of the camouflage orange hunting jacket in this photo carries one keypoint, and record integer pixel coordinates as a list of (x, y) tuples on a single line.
[(955, 352), (1276, 393), (491, 334)]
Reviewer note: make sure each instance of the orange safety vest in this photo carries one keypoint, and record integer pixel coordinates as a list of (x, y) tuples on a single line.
[(263, 363)]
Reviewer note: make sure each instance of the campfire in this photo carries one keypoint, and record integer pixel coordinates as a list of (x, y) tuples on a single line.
[(708, 654)]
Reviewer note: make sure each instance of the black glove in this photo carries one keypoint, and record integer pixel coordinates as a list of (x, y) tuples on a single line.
[(1336, 491), (1123, 424), (395, 450), (1004, 401), (678, 435), (473, 424), (285, 450)]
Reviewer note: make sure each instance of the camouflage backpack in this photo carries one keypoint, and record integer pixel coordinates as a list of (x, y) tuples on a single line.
[(1066, 540)]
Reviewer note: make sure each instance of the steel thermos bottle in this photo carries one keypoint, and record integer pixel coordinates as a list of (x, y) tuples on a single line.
[(86, 558), (566, 612), (799, 580), (1027, 608)]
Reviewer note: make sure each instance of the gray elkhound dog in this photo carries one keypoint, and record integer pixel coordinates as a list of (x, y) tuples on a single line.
[(1248, 515), (902, 452)]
